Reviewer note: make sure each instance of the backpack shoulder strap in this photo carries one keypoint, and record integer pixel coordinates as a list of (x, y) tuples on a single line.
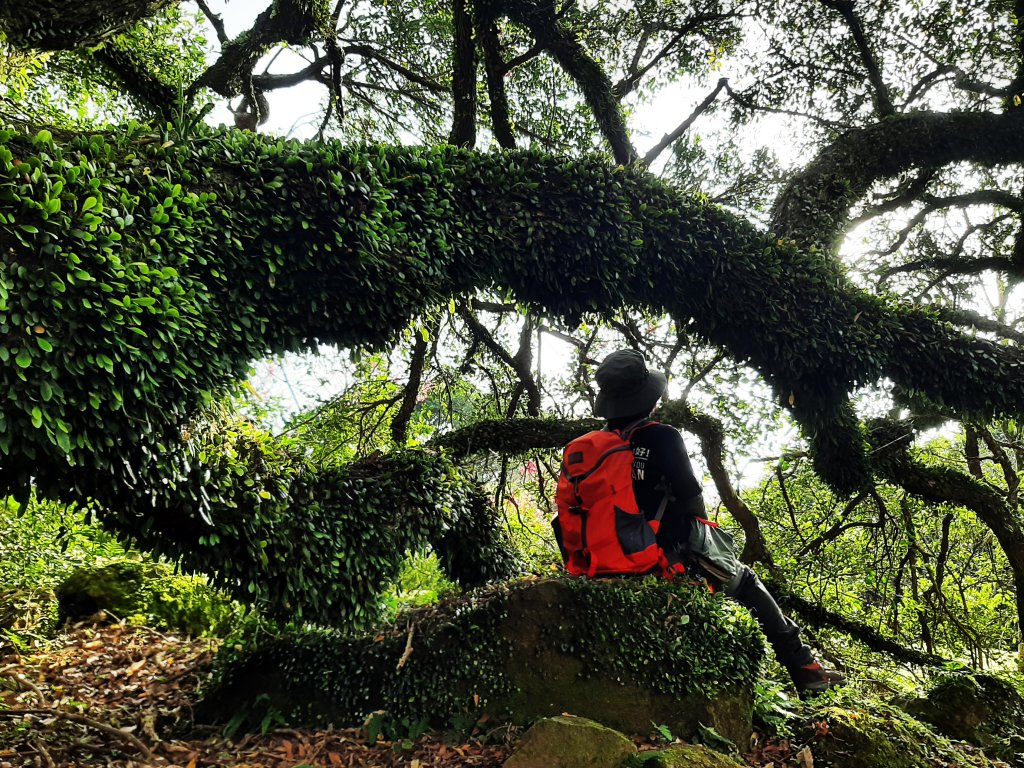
[(626, 432)]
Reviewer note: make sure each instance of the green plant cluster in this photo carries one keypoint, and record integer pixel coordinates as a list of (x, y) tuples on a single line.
[(321, 675), (146, 593), (142, 271), (41, 542), (454, 662), (321, 546)]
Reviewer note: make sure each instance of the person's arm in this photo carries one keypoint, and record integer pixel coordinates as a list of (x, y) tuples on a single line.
[(687, 499)]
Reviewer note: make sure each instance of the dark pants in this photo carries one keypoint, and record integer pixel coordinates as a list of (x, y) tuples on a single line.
[(782, 632)]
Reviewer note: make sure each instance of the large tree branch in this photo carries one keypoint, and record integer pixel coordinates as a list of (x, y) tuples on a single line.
[(61, 25), (406, 229), (814, 207), (563, 46), (290, 21)]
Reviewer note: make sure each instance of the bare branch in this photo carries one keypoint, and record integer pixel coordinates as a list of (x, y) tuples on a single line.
[(670, 138), (845, 8), (215, 19)]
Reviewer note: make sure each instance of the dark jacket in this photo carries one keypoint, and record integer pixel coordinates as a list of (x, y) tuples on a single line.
[(660, 463)]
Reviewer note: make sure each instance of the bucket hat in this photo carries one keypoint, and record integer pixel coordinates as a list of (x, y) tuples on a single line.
[(627, 386)]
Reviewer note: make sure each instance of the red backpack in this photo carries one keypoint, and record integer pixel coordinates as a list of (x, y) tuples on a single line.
[(599, 527)]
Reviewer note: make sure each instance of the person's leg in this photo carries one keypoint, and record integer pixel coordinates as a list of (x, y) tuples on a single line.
[(783, 633)]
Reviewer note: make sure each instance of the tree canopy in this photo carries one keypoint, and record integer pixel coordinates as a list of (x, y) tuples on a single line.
[(148, 258)]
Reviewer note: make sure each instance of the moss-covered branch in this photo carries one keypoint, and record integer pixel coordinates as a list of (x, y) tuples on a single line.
[(822, 617), (139, 276), (58, 25), (814, 207)]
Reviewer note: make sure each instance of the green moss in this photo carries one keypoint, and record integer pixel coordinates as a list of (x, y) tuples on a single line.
[(633, 650), (981, 708), (146, 593), (571, 742), (681, 756), (880, 737)]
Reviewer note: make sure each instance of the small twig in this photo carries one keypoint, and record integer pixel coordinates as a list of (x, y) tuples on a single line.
[(82, 720), (409, 649), (23, 681), (39, 747)]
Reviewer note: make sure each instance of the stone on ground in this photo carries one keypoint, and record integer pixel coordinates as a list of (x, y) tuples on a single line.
[(571, 742)]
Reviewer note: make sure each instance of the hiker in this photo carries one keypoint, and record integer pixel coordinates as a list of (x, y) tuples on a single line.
[(668, 493)]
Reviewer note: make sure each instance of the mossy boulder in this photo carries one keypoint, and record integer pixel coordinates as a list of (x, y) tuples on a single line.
[(881, 737), (681, 756), (145, 593), (980, 708), (571, 742), (624, 652)]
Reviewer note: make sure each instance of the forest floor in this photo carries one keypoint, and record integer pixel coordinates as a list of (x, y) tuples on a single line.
[(119, 696)]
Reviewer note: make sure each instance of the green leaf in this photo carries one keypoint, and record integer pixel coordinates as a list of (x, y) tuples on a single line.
[(89, 203), (24, 359), (37, 417)]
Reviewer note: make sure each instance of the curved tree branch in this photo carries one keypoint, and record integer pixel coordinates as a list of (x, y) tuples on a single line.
[(814, 207), (565, 48), (289, 21)]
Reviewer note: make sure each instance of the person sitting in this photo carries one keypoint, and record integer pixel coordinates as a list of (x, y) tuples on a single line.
[(628, 392)]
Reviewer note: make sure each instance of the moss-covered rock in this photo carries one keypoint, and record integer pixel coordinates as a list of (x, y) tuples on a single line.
[(881, 737), (681, 756), (624, 652), (571, 742), (147, 593), (983, 709)]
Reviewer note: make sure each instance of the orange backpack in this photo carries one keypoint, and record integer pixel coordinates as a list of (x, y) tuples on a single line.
[(599, 527)]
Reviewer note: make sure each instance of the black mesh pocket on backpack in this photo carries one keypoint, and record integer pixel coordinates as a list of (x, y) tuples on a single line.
[(634, 532)]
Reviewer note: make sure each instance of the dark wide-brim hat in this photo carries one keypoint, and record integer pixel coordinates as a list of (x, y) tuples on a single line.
[(627, 386)]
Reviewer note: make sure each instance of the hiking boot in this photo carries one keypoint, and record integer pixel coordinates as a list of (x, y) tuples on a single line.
[(812, 679)]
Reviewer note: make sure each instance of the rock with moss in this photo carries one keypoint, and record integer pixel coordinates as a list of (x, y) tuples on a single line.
[(882, 736), (146, 593), (681, 756), (980, 708), (623, 652), (571, 742)]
